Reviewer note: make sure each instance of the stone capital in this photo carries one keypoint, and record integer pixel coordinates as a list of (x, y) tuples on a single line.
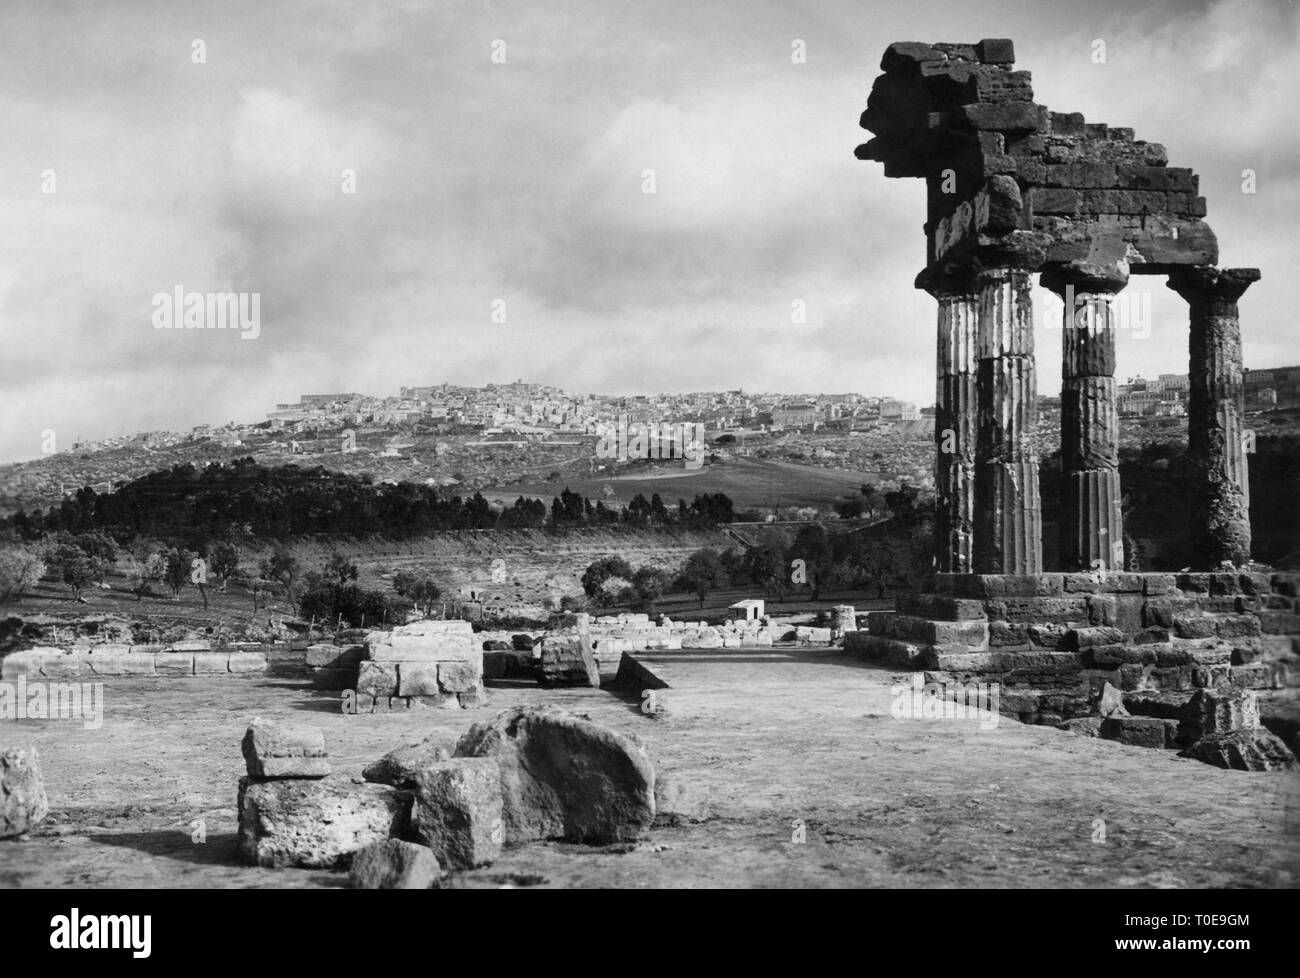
[(1205, 283), (1094, 278), (946, 283), (985, 277)]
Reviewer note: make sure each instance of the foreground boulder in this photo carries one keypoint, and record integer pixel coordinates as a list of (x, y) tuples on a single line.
[(1244, 750), (394, 865), (565, 777), (457, 811), (399, 767), (316, 823), (282, 750), (22, 791)]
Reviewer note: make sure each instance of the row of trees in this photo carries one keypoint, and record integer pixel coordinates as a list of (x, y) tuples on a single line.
[(327, 593), (188, 505), (896, 551)]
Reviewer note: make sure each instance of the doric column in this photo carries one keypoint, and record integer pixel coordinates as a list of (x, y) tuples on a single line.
[(1092, 529), (1008, 515), (954, 421), (1221, 512)]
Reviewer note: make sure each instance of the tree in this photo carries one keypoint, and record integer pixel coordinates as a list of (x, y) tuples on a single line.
[(812, 546), (76, 570), (873, 503), (423, 592), (768, 568), (403, 582), (600, 571), (142, 569), (339, 569), (177, 568), (223, 562), (649, 585), (703, 573), (101, 549), (20, 569), (283, 568)]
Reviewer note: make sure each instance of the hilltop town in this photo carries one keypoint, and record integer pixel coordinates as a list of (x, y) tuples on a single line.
[(515, 438)]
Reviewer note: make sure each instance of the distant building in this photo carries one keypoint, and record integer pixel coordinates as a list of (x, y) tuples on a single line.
[(751, 609), (1284, 382), (895, 410), (795, 415)]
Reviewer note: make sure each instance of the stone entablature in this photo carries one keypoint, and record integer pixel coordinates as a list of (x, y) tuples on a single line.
[(1013, 190)]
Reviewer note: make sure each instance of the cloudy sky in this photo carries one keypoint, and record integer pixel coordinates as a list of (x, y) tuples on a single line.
[(518, 186)]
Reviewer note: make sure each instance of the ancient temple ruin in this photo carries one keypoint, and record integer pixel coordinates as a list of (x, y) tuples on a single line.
[(1153, 659), (1014, 189)]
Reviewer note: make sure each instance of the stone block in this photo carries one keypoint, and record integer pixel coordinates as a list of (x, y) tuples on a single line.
[(335, 656), (174, 664), (1040, 611), (399, 767), (1002, 633), (458, 677), (407, 648), (1140, 731), (1257, 675), (457, 811), (23, 803), (1049, 636), (1164, 178), (1210, 712), (1081, 175), (1119, 654), (1158, 584), (1103, 609), (1244, 750), (138, 664), (1198, 652), (1006, 116), (247, 663), (417, 679), (1083, 726), (1167, 705), (101, 663), (1194, 626), (1279, 623), (996, 51), (877, 648), (567, 660), (194, 645), (1086, 638), (1055, 200), (211, 663), (280, 750), (565, 777), (1237, 626), (286, 661), (378, 679), (394, 865), (316, 824), (27, 662)]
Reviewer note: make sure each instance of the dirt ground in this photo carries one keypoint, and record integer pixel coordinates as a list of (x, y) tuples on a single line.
[(783, 741)]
